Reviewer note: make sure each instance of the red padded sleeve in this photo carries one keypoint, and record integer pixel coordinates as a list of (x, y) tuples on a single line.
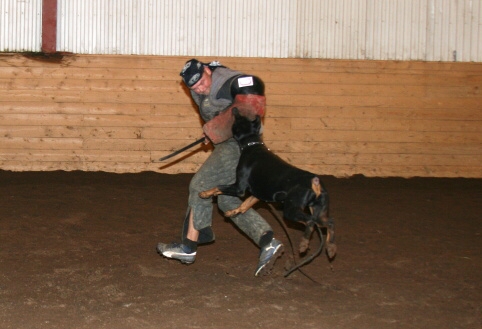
[(219, 128)]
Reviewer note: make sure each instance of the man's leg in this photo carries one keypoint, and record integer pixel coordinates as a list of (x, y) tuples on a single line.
[(254, 226), (251, 223), (220, 169), (192, 234), (197, 222)]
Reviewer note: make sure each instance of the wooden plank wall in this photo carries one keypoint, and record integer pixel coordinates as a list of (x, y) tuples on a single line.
[(336, 117)]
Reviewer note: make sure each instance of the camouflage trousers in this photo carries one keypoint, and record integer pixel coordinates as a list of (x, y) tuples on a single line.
[(220, 169)]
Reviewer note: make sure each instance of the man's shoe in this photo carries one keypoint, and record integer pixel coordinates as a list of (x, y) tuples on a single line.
[(177, 251), (268, 256)]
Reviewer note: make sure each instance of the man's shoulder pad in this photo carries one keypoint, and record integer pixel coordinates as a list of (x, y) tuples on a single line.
[(247, 84)]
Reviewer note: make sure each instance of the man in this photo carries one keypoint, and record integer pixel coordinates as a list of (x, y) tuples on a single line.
[(216, 90)]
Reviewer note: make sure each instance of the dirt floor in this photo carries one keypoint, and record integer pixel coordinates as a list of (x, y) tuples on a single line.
[(77, 250)]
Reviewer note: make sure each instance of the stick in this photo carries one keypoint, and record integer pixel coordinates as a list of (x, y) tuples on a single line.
[(199, 141)]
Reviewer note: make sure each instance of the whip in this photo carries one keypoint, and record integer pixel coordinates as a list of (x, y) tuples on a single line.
[(199, 141)]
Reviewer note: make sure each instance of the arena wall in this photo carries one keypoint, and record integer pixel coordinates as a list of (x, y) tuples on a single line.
[(120, 113)]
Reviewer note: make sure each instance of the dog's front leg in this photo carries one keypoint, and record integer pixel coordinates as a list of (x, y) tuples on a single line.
[(209, 193), (232, 190), (245, 206)]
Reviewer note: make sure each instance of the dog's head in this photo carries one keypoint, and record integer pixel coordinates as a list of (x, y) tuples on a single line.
[(245, 130)]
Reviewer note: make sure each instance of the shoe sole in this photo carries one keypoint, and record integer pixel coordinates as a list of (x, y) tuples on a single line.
[(183, 258), (266, 269)]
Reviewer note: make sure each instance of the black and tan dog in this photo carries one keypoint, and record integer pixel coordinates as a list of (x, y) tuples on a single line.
[(268, 178)]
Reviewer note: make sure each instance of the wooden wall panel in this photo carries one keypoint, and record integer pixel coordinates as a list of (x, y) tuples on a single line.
[(120, 113)]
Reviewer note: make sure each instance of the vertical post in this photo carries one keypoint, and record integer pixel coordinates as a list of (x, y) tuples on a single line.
[(49, 26)]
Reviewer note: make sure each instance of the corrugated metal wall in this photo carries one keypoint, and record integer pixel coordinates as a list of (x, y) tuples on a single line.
[(20, 25), (431, 30), (245, 28)]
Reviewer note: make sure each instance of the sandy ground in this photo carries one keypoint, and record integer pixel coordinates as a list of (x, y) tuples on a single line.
[(77, 250)]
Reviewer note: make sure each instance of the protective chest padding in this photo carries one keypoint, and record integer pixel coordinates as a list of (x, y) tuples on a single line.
[(211, 105)]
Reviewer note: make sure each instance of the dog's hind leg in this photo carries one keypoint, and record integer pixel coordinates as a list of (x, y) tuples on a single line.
[(294, 212), (245, 206), (330, 236), (305, 239)]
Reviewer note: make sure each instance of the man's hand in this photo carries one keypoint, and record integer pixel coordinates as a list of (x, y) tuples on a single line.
[(206, 140)]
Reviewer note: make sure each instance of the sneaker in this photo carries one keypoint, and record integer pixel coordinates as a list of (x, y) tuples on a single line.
[(177, 251), (268, 257)]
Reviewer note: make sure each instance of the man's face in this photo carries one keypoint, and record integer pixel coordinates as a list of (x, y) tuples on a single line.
[(203, 86)]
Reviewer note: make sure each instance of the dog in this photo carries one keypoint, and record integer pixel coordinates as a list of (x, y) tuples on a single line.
[(268, 178)]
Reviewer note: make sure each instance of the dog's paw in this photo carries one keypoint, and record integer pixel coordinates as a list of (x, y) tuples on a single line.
[(331, 249), (304, 245), (204, 195), (231, 213)]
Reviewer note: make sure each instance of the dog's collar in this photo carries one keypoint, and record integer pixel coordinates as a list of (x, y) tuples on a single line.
[(251, 144)]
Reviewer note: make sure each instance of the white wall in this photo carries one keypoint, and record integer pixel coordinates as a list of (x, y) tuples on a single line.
[(429, 30), (20, 25)]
